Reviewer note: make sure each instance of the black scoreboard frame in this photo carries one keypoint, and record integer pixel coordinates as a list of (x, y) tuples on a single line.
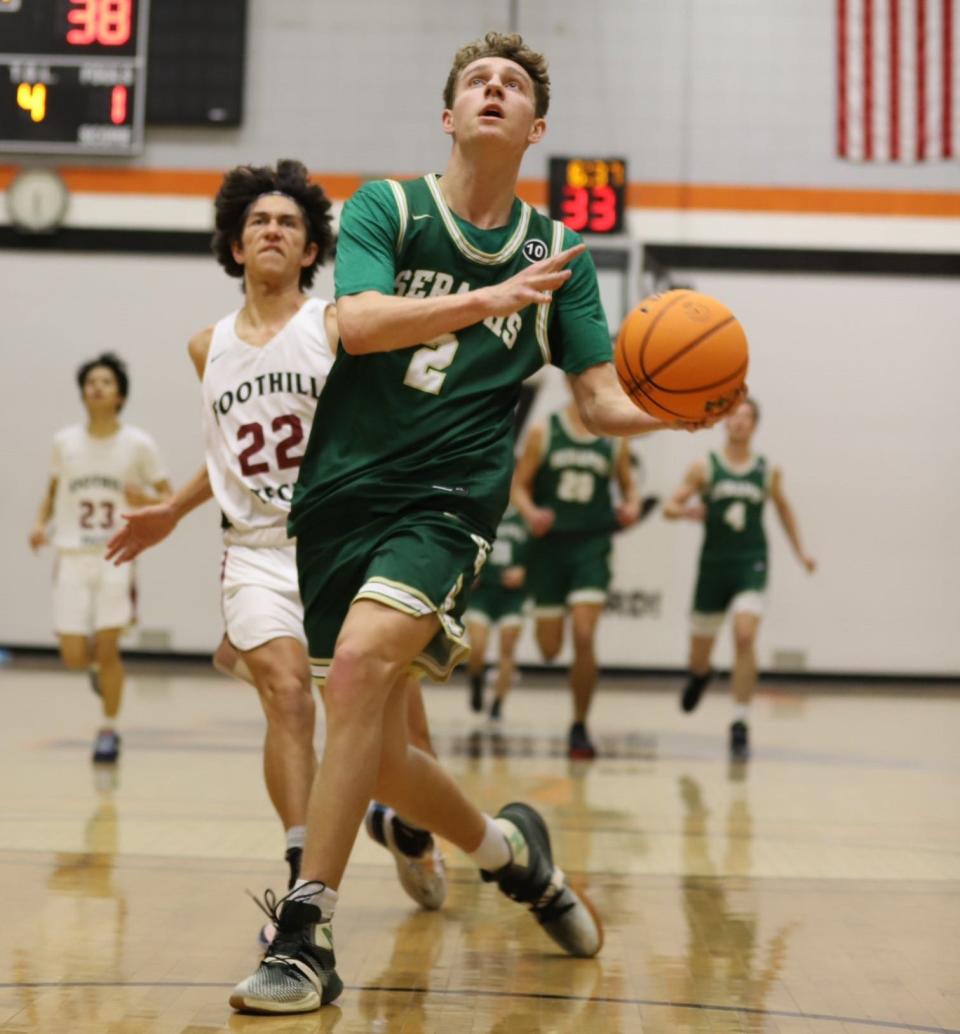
[(68, 69)]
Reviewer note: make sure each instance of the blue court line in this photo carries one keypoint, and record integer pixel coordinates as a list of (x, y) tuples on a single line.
[(543, 996)]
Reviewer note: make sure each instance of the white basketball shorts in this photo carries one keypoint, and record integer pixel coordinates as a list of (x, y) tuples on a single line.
[(260, 596), (91, 594)]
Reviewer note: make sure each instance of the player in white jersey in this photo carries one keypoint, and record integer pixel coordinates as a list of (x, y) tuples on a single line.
[(262, 370), (98, 469)]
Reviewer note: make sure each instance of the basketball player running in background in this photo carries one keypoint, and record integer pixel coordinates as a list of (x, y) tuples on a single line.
[(732, 486), (562, 487), (262, 369), (98, 470), (451, 291), (497, 600)]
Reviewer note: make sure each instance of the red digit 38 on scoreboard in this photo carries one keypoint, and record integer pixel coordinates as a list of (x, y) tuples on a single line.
[(72, 75), (588, 194)]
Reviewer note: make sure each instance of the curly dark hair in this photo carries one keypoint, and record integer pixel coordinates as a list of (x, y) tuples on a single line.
[(116, 366), (244, 184), (511, 47)]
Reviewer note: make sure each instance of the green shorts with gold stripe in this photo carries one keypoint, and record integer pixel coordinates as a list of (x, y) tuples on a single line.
[(492, 603), (564, 569), (421, 563)]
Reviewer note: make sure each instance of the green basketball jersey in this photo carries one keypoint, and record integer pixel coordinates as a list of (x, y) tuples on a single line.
[(431, 426), (509, 547), (734, 521), (573, 479)]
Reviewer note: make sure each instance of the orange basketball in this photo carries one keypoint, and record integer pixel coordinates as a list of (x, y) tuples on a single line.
[(681, 356)]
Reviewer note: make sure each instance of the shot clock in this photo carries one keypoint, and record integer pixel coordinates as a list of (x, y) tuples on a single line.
[(72, 76), (588, 194)]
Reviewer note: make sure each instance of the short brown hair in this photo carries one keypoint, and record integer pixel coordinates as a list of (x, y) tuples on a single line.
[(511, 47)]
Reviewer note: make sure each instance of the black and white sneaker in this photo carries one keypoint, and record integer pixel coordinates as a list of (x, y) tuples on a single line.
[(694, 690), (296, 974), (422, 872), (106, 747), (531, 878), (293, 856), (739, 741)]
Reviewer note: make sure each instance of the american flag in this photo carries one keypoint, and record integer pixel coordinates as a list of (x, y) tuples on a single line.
[(898, 90)]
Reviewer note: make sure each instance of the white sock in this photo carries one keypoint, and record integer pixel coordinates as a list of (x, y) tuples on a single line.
[(313, 892), (494, 850), (740, 712), (296, 837)]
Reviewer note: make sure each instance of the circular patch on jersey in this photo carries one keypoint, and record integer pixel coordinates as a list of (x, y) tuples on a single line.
[(534, 250)]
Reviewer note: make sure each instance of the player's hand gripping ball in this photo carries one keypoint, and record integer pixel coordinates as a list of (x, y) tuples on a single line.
[(681, 356)]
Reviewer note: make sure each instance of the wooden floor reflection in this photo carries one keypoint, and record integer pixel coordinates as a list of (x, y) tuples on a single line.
[(815, 888)]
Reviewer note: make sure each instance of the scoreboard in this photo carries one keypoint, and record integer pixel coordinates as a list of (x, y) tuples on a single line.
[(589, 194), (73, 76)]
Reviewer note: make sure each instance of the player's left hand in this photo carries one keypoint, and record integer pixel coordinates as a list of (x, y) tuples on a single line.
[(627, 513), (808, 562)]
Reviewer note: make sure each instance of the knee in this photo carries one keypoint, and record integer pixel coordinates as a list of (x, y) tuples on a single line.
[(743, 641), (287, 700), (106, 651), (360, 677), (74, 657), (583, 642)]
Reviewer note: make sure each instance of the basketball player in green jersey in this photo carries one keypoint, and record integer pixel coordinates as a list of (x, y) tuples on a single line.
[(497, 599), (732, 486), (562, 488), (451, 291)]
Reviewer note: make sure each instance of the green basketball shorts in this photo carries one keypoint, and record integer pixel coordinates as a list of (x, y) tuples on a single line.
[(566, 569), (419, 563), (492, 603), (738, 586)]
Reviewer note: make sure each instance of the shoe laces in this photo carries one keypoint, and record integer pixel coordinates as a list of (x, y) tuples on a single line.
[(287, 941), (549, 906)]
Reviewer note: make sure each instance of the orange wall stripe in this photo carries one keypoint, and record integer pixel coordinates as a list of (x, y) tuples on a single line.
[(673, 196)]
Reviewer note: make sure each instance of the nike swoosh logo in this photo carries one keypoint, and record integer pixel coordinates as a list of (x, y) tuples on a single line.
[(214, 358), (426, 215)]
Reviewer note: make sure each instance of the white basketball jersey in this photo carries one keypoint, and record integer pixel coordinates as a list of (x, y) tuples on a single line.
[(91, 474), (257, 414)]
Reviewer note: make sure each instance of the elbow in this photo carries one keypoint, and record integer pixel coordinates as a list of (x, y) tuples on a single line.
[(588, 414), (352, 341), (354, 329)]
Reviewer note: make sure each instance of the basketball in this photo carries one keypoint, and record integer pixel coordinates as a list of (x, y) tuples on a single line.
[(681, 356)]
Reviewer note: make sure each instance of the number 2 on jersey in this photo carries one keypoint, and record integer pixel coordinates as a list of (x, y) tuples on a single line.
[(736, 515), (254, 432), (428, 363)]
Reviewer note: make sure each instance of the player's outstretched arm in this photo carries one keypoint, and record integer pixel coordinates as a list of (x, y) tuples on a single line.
[(38, 533), (789, 520), (374, 322), (603, 406), (678, 506), (537, 518), (152, 524)]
